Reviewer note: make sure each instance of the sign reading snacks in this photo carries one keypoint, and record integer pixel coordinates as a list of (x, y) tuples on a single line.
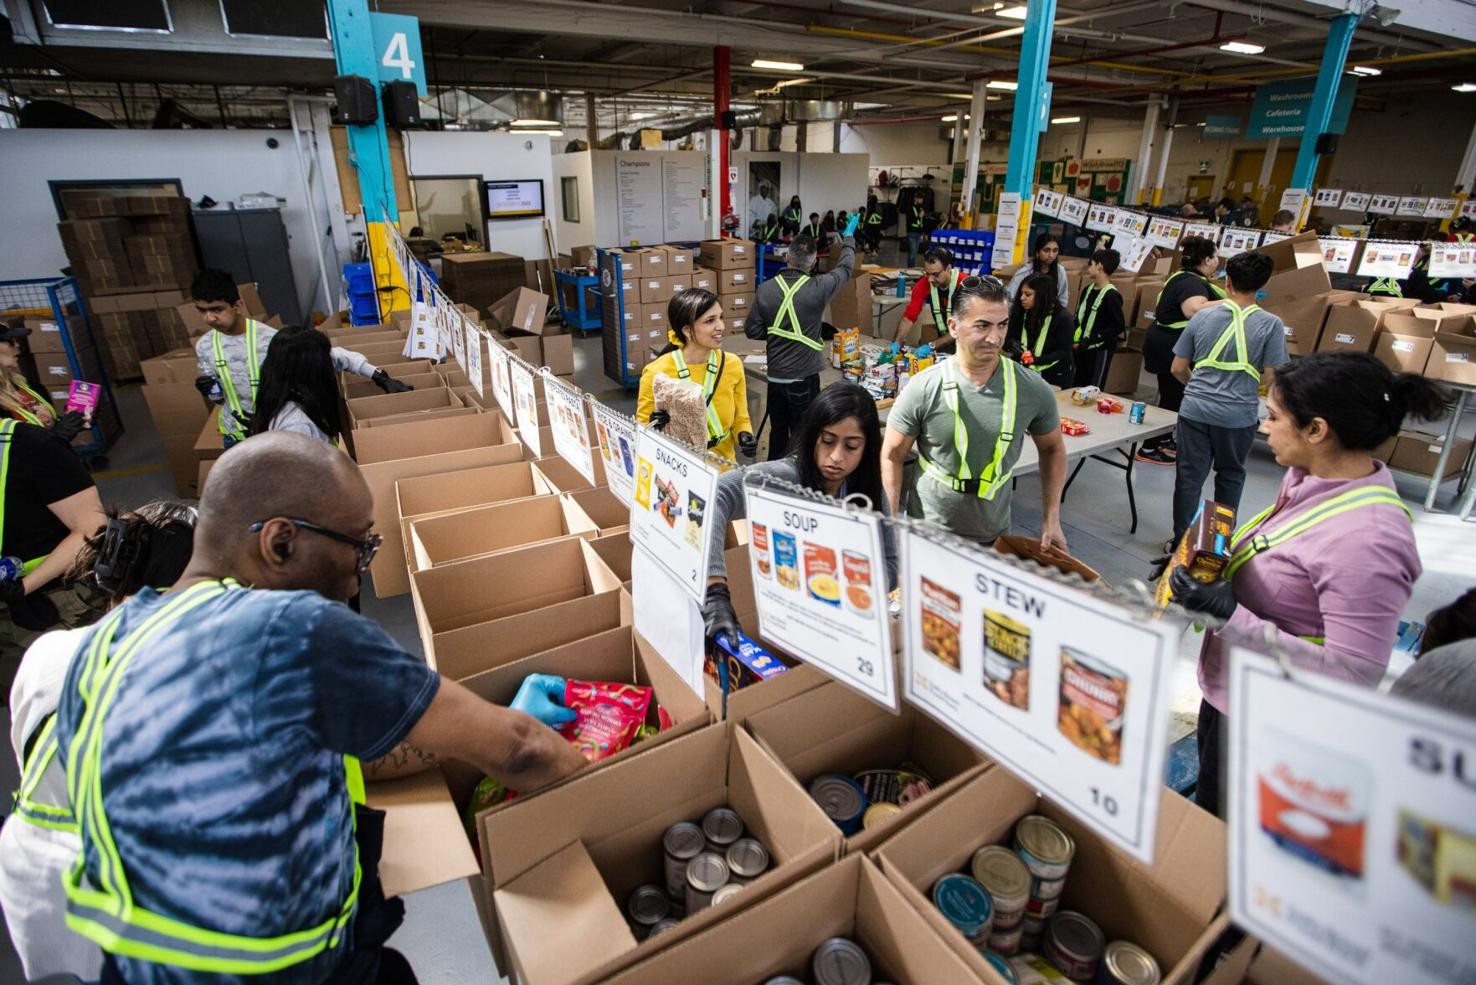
[(617, 448), (569, 425), (526, 397), (1387, 259), (674, 488), (820, 580), (1164, 232), (1356, 856), (1063, 688)]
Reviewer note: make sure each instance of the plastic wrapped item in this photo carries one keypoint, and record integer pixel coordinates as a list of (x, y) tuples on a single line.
[(610, 716), (683, 400)]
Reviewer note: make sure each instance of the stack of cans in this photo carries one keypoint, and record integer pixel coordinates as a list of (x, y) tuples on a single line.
[(704, 864), (1004, 875), (1046, 851), (870, 798)]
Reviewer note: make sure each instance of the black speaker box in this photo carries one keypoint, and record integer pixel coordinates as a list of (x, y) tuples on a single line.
[(401, 106), (1327, 143), (355, 96)]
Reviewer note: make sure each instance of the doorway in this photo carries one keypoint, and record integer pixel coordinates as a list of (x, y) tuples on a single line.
[(763, 193), (1201, 186), (1245, 172)]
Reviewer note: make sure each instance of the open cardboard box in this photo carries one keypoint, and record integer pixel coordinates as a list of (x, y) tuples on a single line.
[(616, 550), (1405, 343), (482, 594), (425, 843), (399, 369), (1171, 908), (361, 387), (832, 729), (610, 513), (1453, 356), (415, 439), (363, 409), (521, 309), (464, 652), (209, 442), (565, 478), (176, 366), (779, 936), (561, 866), (1419, 453), (488, 530), (432, 495), (1352, 327)]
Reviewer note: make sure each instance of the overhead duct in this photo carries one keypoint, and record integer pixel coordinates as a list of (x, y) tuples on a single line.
[(531, 107), (802, 111), (679, 129)]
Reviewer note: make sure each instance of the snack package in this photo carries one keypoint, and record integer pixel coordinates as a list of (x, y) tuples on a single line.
[(682, 399), (84, 397), (739, 664), (1205, 549), (610, 716)]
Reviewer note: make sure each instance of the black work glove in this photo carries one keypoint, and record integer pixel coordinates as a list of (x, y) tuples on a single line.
[(717, 612), (245, 421), (659, 420), (203, 384), (1215, 599), (69, 425), (388, 383), (12, 591), (35, 612), (748, 444), (1160, 565)]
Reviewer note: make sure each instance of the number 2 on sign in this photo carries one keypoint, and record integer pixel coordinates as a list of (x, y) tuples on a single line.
[(1105, 801), (397, 55)]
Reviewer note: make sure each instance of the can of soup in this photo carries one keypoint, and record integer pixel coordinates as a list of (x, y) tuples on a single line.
[(1137, 412), (662, 927), (966, 905), (842, 800), (1032, 932), (900, 787), (706, 874), (722, 826), (759, 537), (1074, 944), (1007, 659), (727, 892), (1093, 703), (647, 907), (841, 962), (996, 960), (822, 574), (682, 843), (860, 592), (1001, 871), (1045, 849), (1007, 942), (878, 814), (747, 860), (1127, 964)]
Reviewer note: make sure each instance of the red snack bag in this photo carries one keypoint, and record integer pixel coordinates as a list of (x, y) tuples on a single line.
[(609, 716)]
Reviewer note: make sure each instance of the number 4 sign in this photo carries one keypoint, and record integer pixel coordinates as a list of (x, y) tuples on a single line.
[(397, 52)]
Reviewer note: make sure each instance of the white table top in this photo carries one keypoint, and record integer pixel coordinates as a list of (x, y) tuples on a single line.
[(1108, 431)]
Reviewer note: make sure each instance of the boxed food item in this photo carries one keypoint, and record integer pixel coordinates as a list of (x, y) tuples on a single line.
[(1419, 453), (1204, 549), (1406, 341), (735, 280), (739, 663), (726, 254)]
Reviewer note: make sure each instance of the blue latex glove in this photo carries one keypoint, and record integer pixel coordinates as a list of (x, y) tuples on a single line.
[(851, 223), (540, 696), (896, 347)]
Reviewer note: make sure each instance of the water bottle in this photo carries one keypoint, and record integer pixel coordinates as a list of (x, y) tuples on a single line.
[(901, 285), (217, 395), (11, 568)]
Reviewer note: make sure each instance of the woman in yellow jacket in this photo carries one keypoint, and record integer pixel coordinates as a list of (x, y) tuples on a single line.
[(695, 352)]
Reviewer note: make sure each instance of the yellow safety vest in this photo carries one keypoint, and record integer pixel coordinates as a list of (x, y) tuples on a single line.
[(715, 359), (1246, 543), (106, 913), (1386, 285), (1040, 340), (41, 401), (228, 385), (815, 231), (7, 430), (992, 479), (1178, 325), (1234, 331), (942, 308), (1086, 320), (787, 313)]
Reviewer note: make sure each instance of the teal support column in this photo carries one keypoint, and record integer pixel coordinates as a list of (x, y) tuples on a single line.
[(1319, 114), (1032, 97)]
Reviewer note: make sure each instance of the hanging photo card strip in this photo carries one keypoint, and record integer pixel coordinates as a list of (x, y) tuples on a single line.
[(1204, 230), (674, 491), (1440, 208), (1062, 687), (421, 342), (1411, 206), (501, 365), (1352, 827), (820, 581), (473, 343), (570, 425), (525, 395), (1127, 223), (1383, 204), (617, 438), (1328, 198), (1387, 259), (1101, 218), (1338, 253), (1234, 241), (1074, 210), (1355, 201), (1456, 260), (1133, 252), (1164, 232), (1047, 202), (1468, 208), (457, 327)]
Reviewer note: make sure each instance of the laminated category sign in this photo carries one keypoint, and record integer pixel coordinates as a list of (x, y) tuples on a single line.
[(1164, 232), (457, 324), (617, 447), (1233, 241), (473, 344), (1204, 230), (1383, 204), (526, 398), (1453, 260), (502, 378), (422, 342), (1440, 208), (674, 490), (1133, 252), (1468, 208), (1065, 689), (1411, 206), (1048, 202), (1293, 199), (1328, 197), (1355, 201), (570, 426), (820, 581), (1130, 223), (1387, 259), (1101, 217), (1337, 253), (1074, 210), (1352, 827)]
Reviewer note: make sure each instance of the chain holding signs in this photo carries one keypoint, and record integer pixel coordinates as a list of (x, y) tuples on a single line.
[(617, 447), (1074, 210), (1164, 232), (1065, 689), (570, 425), (473, 363), (1352, 827), (820, 580), (1453, 260), (1337, 253), (1386, 259), (674, 488), (525, 396)]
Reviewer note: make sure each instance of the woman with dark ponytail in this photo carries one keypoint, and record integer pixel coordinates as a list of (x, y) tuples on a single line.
[(1329, 565)]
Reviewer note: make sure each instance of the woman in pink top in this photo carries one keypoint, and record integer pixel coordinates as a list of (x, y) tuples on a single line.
[(1330, 565)]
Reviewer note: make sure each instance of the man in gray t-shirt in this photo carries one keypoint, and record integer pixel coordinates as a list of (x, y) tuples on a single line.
[(1220, 356)]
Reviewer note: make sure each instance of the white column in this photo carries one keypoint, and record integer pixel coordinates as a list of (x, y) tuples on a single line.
[(1268, 162), (958, 135), (1136, 183), (1466, 176), (1163, 162), (976, 129)]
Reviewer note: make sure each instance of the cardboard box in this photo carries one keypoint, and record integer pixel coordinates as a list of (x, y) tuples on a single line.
[(463, 652), (629, 260), (361, 410), (738, 305), (606, 510), (1350, 328), (851, 306), (705, 279), (425, 843), (209, 442), (736, 280), (650, 317), (1453, 356), (46, 335), (177, 408), (651, 262), (490, 530), (1419, 453), (368, 388), (1170, 907), (560, 866), (582, 256), (726, 254), (679, 259), (558, 354), (832, 729), (520, 310), (398, 368), (1125, 373), (1405, 343), (184, 463), (652, 290), (428, 495), (851, 899), (561, 477), (616, 550), (487, 591), (178, 366)]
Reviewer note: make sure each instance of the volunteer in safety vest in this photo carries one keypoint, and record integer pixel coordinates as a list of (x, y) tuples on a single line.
[(19, 400), (1219, 357), (934, 290), (816, 230), (769, 230), (1328, 566), (1041, 332), (787, 312), (228, 357), (874, 222), (968, 417), (1099, 320), (1184, 292), (48, 508), (794, 212), (1045, 259), (212, 736), (694, 352), (1416, 285), (917, 231)]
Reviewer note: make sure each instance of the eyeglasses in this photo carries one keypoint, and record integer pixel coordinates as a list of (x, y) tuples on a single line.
[(981, 280), (366, 548)]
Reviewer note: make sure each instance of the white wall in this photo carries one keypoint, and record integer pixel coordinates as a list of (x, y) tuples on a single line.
[(494, 156), (223, 164), (898, 143), (586, 232)]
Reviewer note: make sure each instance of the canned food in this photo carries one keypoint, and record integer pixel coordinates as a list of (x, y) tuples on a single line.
[(647, 907), (758, 535), (1074, 944), (1128, 964), (942, 620), (1000, 965), (1044, 847), (747, 860), (966, 904), (1007, 659), (784, 980), (658, 929), (878, 814), (900, 787), (682, 842), (1093, 702), (1000, 871), (1041, 909), (860, 592), (1136, 414), (841, 962), (1032, 932), (822, 574), (706, 874), (842, 800), (1007, 942), (727, 892), (722, 826)]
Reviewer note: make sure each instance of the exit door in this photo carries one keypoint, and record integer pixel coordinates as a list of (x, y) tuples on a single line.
[(1201, 186)]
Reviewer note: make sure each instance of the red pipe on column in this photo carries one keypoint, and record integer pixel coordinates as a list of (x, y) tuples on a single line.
[(722, 57)]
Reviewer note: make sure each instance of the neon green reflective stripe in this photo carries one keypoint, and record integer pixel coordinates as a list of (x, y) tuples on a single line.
[(787, 313), (874, 219), (942, 309), (7, 429), (1386, 285), (1177, 325), (41, 401), (1235, 332), (715, 429), (994, 476), (1040, 340), (1087, 321), (814, 230), (1246, 545), (228, 385), (54, 816)]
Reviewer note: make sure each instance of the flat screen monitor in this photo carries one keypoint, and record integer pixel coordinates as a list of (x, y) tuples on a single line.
[(520, 199)]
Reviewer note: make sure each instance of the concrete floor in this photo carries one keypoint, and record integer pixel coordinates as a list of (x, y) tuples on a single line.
[(441, 935)]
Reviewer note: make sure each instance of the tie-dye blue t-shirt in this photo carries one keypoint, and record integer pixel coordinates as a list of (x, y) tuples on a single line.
[(222, 763)]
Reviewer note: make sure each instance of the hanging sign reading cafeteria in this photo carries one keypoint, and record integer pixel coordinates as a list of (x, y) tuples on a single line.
[(1048, 202), (1204, 230), (1452, 260), (501, 374), (1352, 827), (1383, 204), (1067, 690), (1328, 197), (1355, 201), (1386, 259), (473, 345), (1337, 253), (526, 398), (1411, 206), (1074, 210), (570, 426), (1132, 251), (617, 448), (1440, 208), (1164, 232), (673, 490), (820, 580), (1101, 217)]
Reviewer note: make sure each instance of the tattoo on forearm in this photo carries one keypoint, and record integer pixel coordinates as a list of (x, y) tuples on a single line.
[(404, 758)]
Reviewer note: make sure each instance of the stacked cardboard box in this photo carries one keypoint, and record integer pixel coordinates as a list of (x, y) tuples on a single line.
[(179, 412), (137, 241), (479, 279), (729, 264), (518, 320)]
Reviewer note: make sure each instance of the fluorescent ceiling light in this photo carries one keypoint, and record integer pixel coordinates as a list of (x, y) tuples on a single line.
[(548, 133), (1464, 87), (1016, 13), (1002, 84), (950, 118), (779, 66), (1065, 119), (994, 99), (524, 122), (958, 95), (791, 82), (1243, 47), (1366, 70), (641, 116)]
